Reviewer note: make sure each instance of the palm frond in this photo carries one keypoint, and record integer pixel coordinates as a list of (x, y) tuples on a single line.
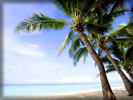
[(41, 22), (116, 50), (70, 6), (123, 40), (85, 55), (107, 17), (78, 54), (118, 11), (122, 31), (102, 23), (110, 68), (100, 52), (67, 40), (63, 5), (118, 3), (77, 43), (97, 28), (105, 60), (129, 53)]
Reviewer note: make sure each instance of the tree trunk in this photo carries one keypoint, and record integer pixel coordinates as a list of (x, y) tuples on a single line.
[(107, 92), (127, 83), (130, 75), (128, 72)]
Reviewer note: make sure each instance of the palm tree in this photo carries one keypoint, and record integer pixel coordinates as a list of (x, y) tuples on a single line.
[(80, 11), (121, 48), (128, 84), (128, 64), (123, 58), (101, 40)]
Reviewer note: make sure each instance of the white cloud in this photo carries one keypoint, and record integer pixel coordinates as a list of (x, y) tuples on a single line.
[(30, 52), (32, 45), (78, 79), (13, 44), (25, 61), (65, 79)]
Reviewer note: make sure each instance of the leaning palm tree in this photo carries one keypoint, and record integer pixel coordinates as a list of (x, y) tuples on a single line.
[(80, 11), (128, 64), (123, 58), (128, 84), (122, 48), (101, 39), (77, 50)]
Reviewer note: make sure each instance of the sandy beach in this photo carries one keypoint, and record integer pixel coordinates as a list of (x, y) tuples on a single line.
[(120, 93)]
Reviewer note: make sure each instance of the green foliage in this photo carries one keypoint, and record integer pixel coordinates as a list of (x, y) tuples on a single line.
[(124, 30), (86, 7), (74, 46), (116, 50), (78, 50), (101, 24), (100, 52), (129, 53), (79, 53), (129, 58), (123, 54), (110, 68), (121, 41), (40, 22), (125, 39), (96, 28), (67, 40)]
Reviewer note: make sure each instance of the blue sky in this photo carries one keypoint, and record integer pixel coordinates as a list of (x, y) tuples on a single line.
[(32, 57)]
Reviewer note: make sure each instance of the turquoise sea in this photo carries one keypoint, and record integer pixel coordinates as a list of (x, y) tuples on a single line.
[(13, 90)]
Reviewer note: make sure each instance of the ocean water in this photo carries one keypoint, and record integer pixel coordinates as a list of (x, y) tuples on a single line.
[(16, 90)]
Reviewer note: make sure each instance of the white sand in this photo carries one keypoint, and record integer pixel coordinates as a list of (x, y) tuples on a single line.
[(119, 92)]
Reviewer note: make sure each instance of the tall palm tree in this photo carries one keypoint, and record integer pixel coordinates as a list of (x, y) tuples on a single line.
[(101, 39), (79, 10)]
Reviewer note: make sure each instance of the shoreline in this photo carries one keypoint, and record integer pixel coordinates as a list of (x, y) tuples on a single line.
[(84, 91), (69, 93), (96, 94)]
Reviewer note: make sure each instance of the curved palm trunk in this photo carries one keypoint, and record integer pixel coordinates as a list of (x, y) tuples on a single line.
[(129, 73), (127, 83), (107, 92)]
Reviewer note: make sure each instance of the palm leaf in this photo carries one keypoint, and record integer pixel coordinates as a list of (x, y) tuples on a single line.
[(67, 40), (129, 56), (116, 4), (85, 55), (78, 54), (74, 46), (40, 22), (123, 40), (110, 68), (122, 31), (100, 53)]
